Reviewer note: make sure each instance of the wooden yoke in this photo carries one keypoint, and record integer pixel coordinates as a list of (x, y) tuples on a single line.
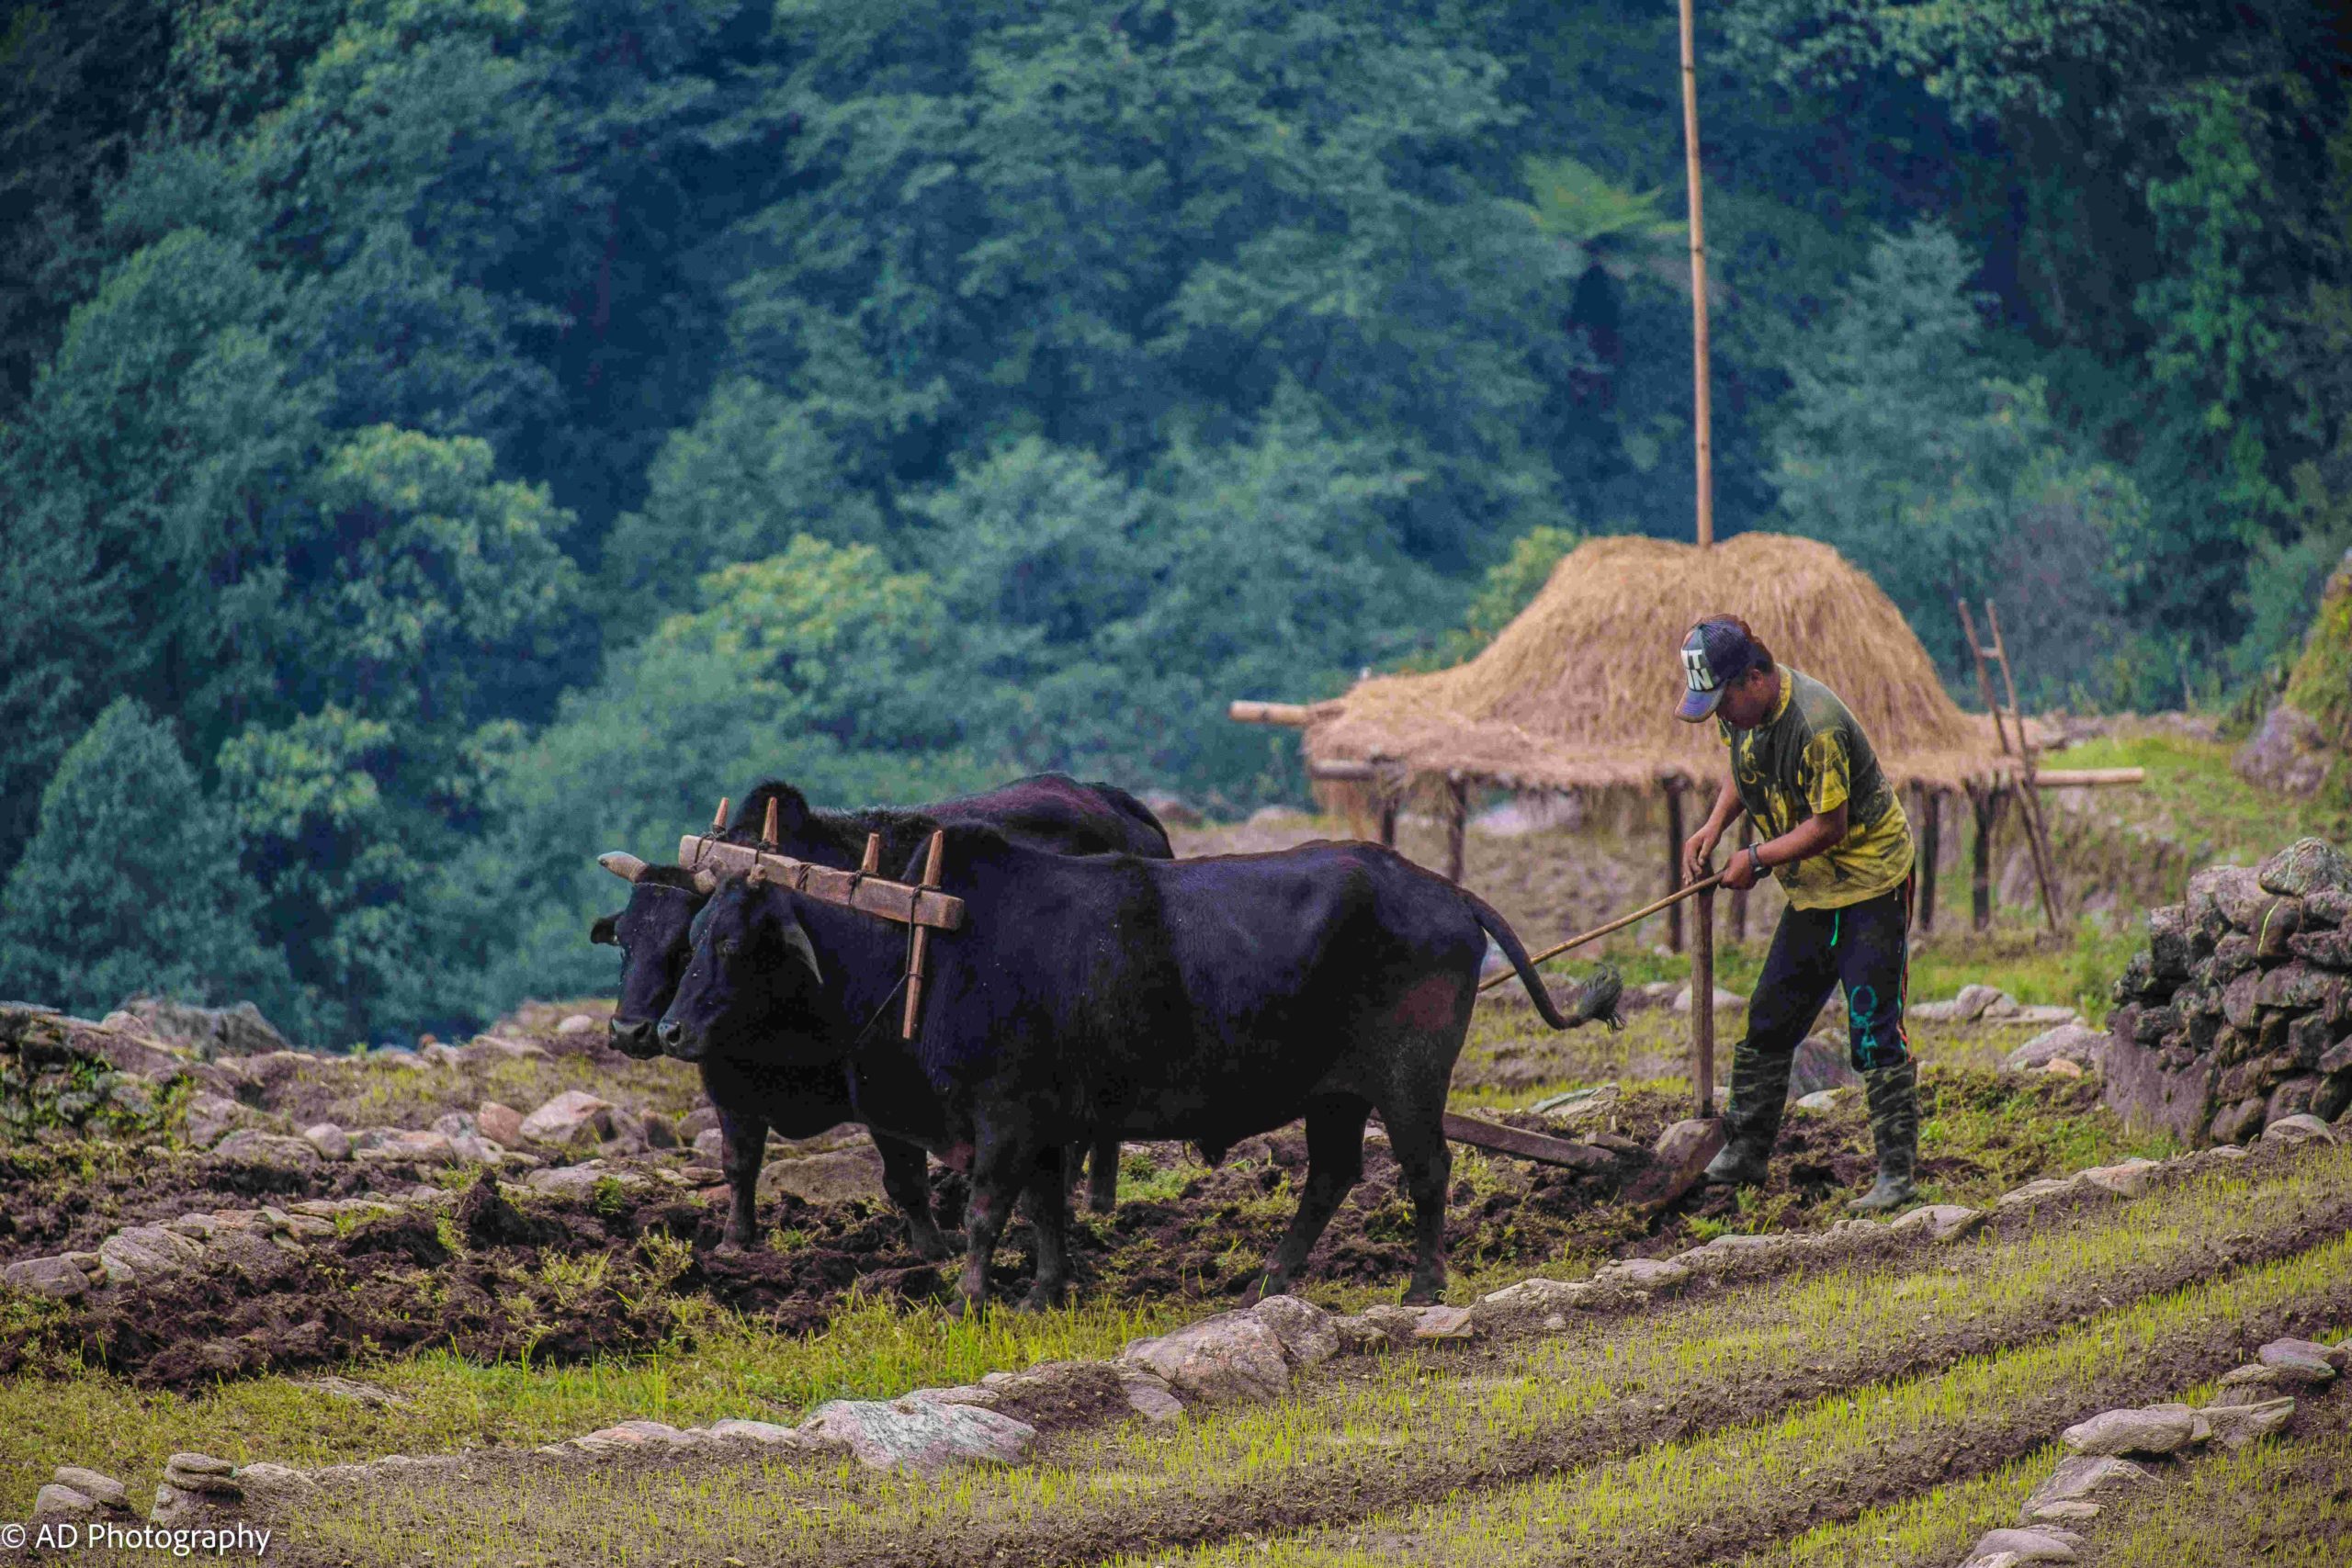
[(919, 940), (877, 896)]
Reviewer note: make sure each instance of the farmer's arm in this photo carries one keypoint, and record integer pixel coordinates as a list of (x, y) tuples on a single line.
[(1822, 778), (1699, 847)]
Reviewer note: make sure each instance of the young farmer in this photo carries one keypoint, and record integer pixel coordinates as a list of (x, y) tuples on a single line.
[(1830, 828)]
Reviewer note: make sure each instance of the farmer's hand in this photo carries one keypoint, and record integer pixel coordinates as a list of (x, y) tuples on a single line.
[(1740, 875), (1698, 849)]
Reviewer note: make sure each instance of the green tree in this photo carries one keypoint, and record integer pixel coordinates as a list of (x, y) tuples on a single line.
[(131, 884)]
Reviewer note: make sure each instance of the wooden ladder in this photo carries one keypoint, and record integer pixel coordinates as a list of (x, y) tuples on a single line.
[(2037, 835)]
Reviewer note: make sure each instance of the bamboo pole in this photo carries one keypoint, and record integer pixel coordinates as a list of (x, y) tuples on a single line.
[(1702, 1002), (1619, 924), (1673, 861), (1698, 282)]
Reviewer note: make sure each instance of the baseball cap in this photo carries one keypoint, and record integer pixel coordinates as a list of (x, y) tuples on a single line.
[(1719, 650)]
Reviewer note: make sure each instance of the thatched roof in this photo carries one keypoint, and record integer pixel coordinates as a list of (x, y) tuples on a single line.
[(1580, 691)]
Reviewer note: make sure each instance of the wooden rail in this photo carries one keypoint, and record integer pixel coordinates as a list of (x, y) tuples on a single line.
[(1295, 715), (2088, 778)]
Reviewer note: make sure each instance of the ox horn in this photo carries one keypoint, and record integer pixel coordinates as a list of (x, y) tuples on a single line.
[(621, 864), (718, 823), (797, 939), (768, 829)]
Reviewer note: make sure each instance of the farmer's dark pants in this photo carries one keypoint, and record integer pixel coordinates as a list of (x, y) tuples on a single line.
[(1864, 947)]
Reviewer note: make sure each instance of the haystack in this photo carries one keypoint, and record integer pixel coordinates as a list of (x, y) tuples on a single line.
[(1578, 691)]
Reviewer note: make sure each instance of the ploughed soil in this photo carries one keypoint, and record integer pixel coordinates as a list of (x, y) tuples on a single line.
[(1356, 1505), (549, 1277)]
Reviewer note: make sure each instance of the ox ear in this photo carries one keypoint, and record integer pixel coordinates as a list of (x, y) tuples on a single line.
[(605, 932), (621, 864), (797, 939)]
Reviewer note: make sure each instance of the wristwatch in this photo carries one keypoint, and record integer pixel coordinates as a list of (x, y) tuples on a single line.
[(1754, 864)]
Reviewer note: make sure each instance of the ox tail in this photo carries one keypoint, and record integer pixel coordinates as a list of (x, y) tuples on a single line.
[(1596, 997)]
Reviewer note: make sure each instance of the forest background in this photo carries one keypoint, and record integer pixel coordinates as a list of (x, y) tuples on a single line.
[(443, 439)]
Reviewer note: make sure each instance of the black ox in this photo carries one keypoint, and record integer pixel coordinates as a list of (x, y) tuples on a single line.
[(1202, 999), (756, 1089)]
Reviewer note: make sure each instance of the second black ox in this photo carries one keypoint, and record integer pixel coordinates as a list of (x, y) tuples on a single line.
[(1202, 999)]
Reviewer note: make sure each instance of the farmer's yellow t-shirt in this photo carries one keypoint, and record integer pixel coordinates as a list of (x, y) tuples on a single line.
[(1809, 757)]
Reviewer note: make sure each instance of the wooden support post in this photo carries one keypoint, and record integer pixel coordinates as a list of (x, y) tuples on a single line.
[(1987, 800), (1703, 1001), (1739, 894), (1674, 836), (1387, 820), (1457, 820), (1931, 845)]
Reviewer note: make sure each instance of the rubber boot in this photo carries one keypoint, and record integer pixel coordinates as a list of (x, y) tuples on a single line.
[(1760, 1086), (1894, 1127)]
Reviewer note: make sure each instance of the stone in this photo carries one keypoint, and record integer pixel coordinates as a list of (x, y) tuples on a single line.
[(1643, 1274), (330, 1141), (560, 1118), (2083, 1475), (2250, 1380), (2235, 1425), (1726, 1001), (2292, 1097), (2060, 1067), (502, 1124), (2298, 1128), (923, 1438), (2135, 1084), (53, 1502), (2132, 1179), (2025, 1546), (2288, 753), (2296, 985), (103, 1489), (1533, 1300), (1822, 1062), (1232, 1356), (1149, 1397), (659, 1131), (2069, 1042), (633, 1434), (258, 1147), (2156, 1430), (2223, 896), (144, 1252), (46, 1275), (2236, 1123), (2307, 865), (382, 1144), (763, 1432), (2033, 1192), (209, 1116), (2067, 1513), (2301, 1354), (214, 1478), (209, 1032), (2169, 951), (576, 1023), (1305, 1331), (835, 1178), (1942, 1222), (282, 1479), (710, 1146), (1679, 1159), (1437, 1323), (1824, 1100)]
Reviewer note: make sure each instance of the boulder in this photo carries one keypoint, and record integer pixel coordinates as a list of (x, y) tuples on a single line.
[(2305, 866), (2080, 1476), (2077, 1042), (208, 1117), (208, 1033), (1942, 1222), (384, 1143), (1305, 1331), (1822, 1062), (1435, 1323), (55, 1502), (2298, 1127), (258, 1147), (2297, 986), (2235, 1425), (2238, 1121), (2290, 753), (2021, 1546), (2136, 1085), (45, 1276), (2159, 1430), (502, 1124), (560, 1118), (917, 1436), (2304, 1360), (330, 1141), (834, 1177), (2132, 1179), (1726, 1001), (103, 1489), (1824, 1100), (1532, 1301), (659, 1131), (576, 1023), (766, 1433), (2226, 898), (1643, 1274), (1230, 1356), (1148, 1395)]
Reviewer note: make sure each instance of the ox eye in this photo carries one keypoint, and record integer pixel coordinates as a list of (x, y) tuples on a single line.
[(729, 947)]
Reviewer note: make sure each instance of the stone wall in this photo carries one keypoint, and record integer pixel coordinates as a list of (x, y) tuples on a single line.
[(2239, 1012)]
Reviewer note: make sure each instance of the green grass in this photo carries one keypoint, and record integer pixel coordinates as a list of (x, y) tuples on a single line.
[(729, 1368), (1932, 1530), (1550, 1392), (1664, 1493), (2192, 797)]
